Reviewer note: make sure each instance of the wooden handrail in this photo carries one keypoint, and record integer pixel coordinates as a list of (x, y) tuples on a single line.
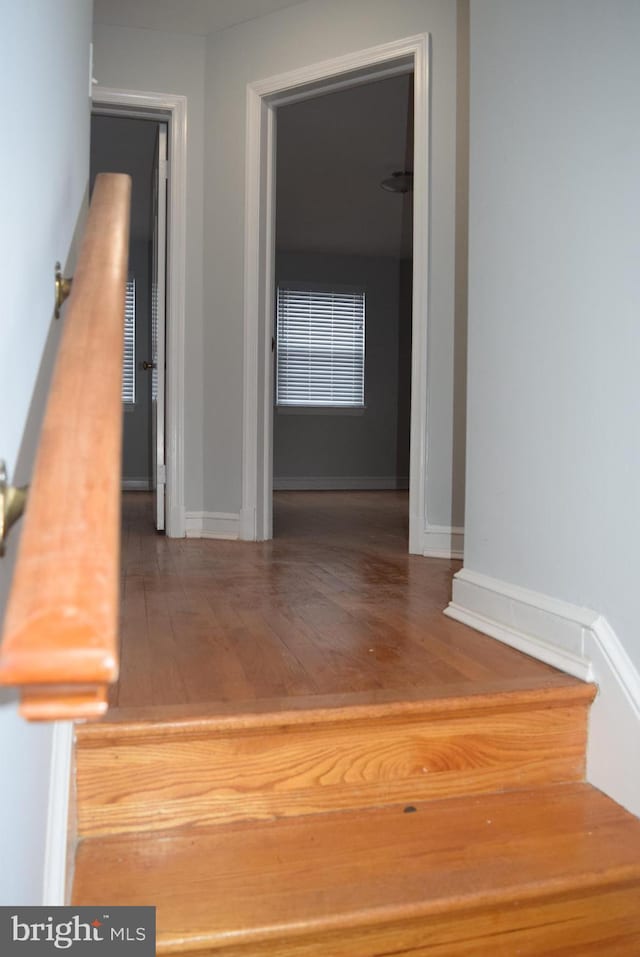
[(60, 642)]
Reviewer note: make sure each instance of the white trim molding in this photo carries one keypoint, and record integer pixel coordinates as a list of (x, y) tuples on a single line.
[(56, 883), (223, 525), (543, 627), (578, 641), (339, 482), (614, 721), (443, 541), (174, 108), (409, 55)]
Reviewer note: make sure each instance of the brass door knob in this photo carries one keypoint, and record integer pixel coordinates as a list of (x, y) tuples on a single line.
[(148, 365)]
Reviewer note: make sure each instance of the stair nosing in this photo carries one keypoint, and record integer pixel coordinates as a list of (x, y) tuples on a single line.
[(442, 706), (394, 914)]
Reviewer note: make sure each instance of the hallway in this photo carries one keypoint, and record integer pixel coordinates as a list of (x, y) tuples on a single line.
[(332, 612)]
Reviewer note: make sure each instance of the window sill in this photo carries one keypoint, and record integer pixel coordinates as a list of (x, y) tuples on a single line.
[(321, 409)]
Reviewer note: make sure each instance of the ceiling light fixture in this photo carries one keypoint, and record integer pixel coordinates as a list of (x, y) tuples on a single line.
[(399, 182)]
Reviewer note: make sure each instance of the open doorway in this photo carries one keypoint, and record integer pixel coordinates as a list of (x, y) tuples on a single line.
[(138, 146), (264, 98), (343, 273)]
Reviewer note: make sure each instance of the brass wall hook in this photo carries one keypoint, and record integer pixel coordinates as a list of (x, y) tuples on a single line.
[(12, 504), (63, 288)]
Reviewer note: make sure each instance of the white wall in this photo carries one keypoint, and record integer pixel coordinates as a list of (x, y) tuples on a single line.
[(44, 169), (291, 38), (151, 61), (553, 452)]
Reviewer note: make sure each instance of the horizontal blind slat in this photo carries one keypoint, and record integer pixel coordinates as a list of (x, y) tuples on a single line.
[(321, 341)]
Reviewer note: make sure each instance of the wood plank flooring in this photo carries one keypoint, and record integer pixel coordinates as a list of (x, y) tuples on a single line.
[(333, 607)]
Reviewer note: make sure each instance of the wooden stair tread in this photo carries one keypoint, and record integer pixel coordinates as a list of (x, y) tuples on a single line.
[(257, 883)]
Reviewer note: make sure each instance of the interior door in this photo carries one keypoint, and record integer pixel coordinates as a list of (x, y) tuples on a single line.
[(158, 315)]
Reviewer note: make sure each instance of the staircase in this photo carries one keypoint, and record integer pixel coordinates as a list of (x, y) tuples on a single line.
[(455, 825)]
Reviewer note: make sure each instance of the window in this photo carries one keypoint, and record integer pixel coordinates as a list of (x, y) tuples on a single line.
[(129, 358), (320, 336)]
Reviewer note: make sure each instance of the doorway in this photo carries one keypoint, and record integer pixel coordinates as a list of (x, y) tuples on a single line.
[(401, 58), (170, 110), (344, 197), (138, 146)]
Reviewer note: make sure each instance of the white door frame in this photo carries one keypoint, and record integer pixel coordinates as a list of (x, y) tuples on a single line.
[(171, 107), (263, 98), (158, 327)]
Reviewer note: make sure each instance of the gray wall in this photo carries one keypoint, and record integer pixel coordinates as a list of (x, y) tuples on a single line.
[(340, 444), (333, 151), (290, 38), (44, 173), (554, 302), (123, 145)]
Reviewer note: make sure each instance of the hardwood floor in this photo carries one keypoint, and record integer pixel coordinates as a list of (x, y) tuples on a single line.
[(306, 758), (333, 610)]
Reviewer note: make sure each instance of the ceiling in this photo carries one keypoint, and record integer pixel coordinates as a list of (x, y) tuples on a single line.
[(184, 16), (332, 153)]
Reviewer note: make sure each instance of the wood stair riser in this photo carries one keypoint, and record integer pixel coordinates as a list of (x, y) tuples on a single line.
[(202, 777)]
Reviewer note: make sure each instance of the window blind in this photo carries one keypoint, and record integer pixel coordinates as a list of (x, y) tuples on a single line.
[(129, 358), (320, 340)]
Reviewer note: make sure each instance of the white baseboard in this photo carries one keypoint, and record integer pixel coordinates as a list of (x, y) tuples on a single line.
[(225, 525), (614, 722), (443, 541), (338, 483), (578, 641), (136, 485), (175, 520), (54, 891), (543, 627)]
